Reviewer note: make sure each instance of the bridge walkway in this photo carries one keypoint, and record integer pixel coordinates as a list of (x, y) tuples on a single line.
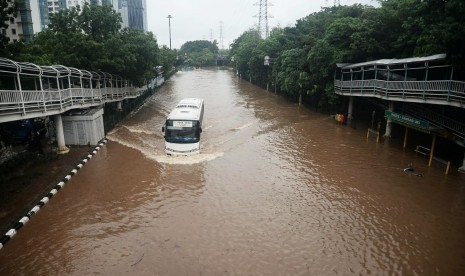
[(420, 82)]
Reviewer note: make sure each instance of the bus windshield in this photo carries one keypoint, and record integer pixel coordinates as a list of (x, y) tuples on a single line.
[(182, 131)]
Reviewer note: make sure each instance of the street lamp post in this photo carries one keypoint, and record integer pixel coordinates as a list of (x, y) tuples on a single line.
[(169, 25), (267, 63), (234, 65)]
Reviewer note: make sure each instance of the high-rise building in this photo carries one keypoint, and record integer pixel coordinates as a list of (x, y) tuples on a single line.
[(34, 15), (21, 26), (134, 14), (47, 7)]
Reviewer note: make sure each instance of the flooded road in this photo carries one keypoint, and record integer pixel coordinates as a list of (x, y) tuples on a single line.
[(277, 190)]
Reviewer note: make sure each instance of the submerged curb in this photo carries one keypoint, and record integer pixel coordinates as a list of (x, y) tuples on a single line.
[(46, 199)]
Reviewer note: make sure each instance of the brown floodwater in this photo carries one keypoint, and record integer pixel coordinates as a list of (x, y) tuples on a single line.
[(276, 190)]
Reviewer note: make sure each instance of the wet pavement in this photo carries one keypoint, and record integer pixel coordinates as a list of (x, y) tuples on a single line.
[(276, 190)]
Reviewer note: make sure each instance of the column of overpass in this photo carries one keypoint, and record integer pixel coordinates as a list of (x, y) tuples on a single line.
[(389, 121), (350, 112), (62, 148)]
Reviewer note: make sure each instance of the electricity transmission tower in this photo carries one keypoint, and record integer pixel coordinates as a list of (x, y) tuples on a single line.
[(221, 34), (263, 28), (336, 2)]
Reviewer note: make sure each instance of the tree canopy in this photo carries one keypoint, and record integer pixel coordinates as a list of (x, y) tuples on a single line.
[(199, 53), (92, 39), (349, 34)]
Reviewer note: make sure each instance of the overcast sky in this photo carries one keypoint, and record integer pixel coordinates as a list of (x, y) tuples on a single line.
[(202, 19)]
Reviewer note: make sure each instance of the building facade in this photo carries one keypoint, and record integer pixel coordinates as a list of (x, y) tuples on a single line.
[(34, 15), (134, 14)]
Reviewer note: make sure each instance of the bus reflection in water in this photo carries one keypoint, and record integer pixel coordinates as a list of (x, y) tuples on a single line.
[(183, 127)]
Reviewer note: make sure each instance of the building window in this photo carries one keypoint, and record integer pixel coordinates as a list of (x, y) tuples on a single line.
[(12, 20), (13, 31)]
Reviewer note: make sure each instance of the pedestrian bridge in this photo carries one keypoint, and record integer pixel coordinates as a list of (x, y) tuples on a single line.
[(445, 92), (30, 91), (424, 80), (418, 82)]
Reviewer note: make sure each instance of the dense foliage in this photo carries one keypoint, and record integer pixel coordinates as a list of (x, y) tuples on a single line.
[(92, 39), (199, 53), (303, 57)]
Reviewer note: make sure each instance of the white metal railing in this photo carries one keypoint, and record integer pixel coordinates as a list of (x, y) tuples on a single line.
[(447, 92), (24, 102)]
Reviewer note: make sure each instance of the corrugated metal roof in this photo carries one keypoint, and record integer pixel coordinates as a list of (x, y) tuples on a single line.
[(393, 61)]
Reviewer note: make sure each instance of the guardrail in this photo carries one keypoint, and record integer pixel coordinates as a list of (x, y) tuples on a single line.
[(445, 92), (16, 104), (427, 152)]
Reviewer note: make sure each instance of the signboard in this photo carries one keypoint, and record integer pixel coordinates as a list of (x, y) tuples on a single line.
[(182, 123), (408, 121)]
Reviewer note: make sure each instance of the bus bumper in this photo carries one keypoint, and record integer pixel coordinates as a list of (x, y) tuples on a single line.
[(182, 149)]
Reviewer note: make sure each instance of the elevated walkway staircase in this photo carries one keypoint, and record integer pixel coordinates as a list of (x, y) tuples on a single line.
[(440, 124)]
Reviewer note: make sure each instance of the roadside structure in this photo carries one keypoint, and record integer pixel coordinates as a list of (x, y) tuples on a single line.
[(420, 93), (32, 91)]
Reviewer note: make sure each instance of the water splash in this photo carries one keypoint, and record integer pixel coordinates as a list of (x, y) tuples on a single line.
[(185, 160)]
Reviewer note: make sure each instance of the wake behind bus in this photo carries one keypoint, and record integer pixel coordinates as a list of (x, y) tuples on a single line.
[(183, 127)]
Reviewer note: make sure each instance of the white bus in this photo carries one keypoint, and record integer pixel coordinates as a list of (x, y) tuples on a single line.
[(183, 127)]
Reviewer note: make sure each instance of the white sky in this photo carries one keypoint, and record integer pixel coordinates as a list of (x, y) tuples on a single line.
[(200, 19)]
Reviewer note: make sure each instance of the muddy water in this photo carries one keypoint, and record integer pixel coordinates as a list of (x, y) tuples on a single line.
[(277, 190)]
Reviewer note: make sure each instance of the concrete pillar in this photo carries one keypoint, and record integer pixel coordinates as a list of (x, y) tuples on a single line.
[(431, 152), (389, 121), (350, 112), (462, 169), (62, 149), (119, 106), (405, 137)]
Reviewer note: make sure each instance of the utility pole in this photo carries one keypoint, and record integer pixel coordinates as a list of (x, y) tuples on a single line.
[(221, 34), (169, 24), (263, 18), (336, 3)]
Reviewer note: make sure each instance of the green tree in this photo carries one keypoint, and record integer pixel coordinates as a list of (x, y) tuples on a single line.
[(99, 22), (294, 70), (242, 50), (200, 52), (168, 58), (8, 9), (132, 54), (199, 46), (66, 21), (92, 40)]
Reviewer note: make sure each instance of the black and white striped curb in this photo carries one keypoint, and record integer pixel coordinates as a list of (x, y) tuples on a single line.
[(44, 200)]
